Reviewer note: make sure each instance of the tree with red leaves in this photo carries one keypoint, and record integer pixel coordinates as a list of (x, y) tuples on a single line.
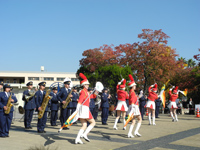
[(197, 57)]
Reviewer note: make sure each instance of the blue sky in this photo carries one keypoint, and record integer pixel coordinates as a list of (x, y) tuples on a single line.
[(54, 33)]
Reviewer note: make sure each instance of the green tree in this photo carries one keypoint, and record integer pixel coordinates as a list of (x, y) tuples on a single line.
[(109, 75)]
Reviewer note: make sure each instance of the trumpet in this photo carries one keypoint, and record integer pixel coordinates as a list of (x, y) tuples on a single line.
[(31, 94)]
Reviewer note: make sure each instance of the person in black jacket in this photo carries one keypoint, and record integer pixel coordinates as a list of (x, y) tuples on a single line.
[(157, 102), (29, 106), (54, 106), (105, 98), (142, 103)]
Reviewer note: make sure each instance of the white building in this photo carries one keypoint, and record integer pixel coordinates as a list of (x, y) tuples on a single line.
[(18, 80)]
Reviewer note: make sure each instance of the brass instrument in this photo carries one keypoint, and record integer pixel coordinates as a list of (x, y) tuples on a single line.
[(31, 94), (68, 99), (45, 102), (8, 105), (98, 100)]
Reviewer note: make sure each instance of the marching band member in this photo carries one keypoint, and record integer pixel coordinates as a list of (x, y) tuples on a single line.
[(92, 101), (84, 111), (62, 95), (39, 96), (1, 86), (172, 105), (105, 98), (121, 104), (151, 102), (74, 100), (54, 106), (142, 102), (29, 106), (134, 106), (6, 119)]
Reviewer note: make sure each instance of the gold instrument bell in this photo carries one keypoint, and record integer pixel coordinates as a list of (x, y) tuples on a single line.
[(31, 94)]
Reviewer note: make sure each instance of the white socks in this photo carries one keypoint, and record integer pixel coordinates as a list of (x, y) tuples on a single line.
[(130, 130), (172, 115), (79, 134), (89, 128), (137, 128), (115, 125), (149, 119), (153, 120), (176, 117)]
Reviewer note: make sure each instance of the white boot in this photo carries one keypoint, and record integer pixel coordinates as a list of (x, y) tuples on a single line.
[(78, 140), (84, 135), (124, 128), (130, 132), (149, 120), (154, 121), (137, 129), (115, 125), (172, 116), (176, 118)]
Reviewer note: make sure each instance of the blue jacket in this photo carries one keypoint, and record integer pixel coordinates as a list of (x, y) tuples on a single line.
[(62, 95), (157, 102), (39, 99), (92, 102), (74, 99), (104, 100), (4, 100), (31, 103), (54, 102), (142, 101)]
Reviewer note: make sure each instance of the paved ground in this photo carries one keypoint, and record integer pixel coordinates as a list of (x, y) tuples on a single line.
[(166, 135)]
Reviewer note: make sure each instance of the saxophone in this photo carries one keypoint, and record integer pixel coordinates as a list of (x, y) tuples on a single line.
[(68, 99), (45, 101), (9, 105)]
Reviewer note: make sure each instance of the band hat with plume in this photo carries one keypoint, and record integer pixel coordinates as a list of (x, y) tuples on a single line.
[(123, 84), (155, 87), (132, 82), (85, 80), (175, 89)]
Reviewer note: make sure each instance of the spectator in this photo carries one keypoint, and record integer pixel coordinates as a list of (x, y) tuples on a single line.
[(191, 107), (179, 105)]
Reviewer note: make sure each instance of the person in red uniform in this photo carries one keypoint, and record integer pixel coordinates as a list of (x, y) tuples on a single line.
[(172, 105), (84, 111), (134, 107), (151, 102), (121, 107)]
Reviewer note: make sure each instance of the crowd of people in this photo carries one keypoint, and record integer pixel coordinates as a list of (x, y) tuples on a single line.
[(87, 108)]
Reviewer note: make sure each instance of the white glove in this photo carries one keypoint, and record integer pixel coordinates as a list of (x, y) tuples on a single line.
[(119, 83), (78, 107), (152, 85), (122, 80), (171, 89)]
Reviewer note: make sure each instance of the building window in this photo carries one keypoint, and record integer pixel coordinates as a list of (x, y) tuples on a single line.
[(7, 81), (48, 79), (60, 79), (33, 78), (75, 79), (14, 80)]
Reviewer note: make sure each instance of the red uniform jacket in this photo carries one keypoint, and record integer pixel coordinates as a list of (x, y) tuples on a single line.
[(83, 95), (152, 95), (173, 97), (132, 97), (122, 95)]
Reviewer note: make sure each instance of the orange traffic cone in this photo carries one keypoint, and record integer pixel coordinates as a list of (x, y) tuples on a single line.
[(147, 112), (198, 116)]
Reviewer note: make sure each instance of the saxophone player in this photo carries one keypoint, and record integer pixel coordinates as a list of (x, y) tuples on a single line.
[(6, 119), (39, 96), (29, 105), (62, 95)]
